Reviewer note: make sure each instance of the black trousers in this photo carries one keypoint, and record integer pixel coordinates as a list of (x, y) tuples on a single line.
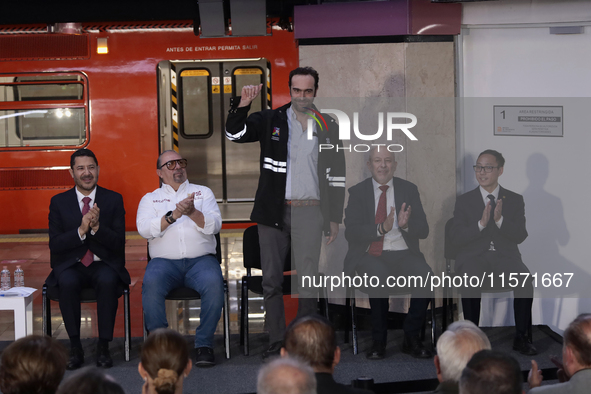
[(394, 264), (496, 263), (105, 281)]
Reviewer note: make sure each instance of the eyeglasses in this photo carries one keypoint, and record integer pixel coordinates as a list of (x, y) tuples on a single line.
[(485, 168), (171, 165)]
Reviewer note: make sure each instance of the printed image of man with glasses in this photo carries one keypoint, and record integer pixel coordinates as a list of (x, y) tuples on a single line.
[(180, 220), (488, 225)]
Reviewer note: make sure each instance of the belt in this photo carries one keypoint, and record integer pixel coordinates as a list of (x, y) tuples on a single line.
[(303, 203)]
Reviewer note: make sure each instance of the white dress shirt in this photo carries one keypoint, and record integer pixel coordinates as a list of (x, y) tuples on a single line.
[(184, 238), (393, 239), (92, 201), (486, 200)]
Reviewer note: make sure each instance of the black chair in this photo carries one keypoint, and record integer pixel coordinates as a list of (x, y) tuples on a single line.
[(188, 294), (51, 293), (251, 256), (350, 305), (450, 252)]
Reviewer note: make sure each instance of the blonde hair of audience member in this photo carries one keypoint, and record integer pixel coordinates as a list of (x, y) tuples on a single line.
[(312, 340), (164, 362), (455, 347), (33, 364), (286, 376), (90, 380)]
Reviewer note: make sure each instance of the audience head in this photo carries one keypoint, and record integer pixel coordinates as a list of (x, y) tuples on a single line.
[(165, 361), (82, 153), (286, 376), (576, 352), (491, 372), (312, 339), (382, 164), (33, 364), (90, 380), (455, 347), (304, 71)]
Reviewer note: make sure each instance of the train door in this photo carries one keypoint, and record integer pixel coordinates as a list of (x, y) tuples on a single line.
[(194, 98)]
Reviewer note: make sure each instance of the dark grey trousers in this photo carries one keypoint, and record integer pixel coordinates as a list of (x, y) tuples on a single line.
[(302, 229)]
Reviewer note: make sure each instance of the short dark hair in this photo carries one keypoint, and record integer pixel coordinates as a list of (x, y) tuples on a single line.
[(80, 153), (498, 156), (33, 364), (165, 356), (577, 336), (311, 339), (90, 380), (491, 372), (305, 71)]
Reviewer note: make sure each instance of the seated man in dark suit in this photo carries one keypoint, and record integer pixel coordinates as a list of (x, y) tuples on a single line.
[(383, 243), (87, 244), (488, 224), (312, 339)]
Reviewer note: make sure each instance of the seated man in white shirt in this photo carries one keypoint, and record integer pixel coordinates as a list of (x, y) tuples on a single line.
[(180, 221)]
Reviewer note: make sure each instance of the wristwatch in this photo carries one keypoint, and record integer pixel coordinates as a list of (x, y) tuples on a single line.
[(168, 217)]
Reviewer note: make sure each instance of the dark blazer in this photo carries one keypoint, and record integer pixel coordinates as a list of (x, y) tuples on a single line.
[(471, 243), (360, 227), (325, 384), (108, 243)]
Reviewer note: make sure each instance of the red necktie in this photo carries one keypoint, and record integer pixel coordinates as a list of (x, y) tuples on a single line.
[(375, 249), (88, 258)]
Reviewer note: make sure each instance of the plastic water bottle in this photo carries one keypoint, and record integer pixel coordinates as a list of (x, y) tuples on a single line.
[(4, 279), (19, 277)]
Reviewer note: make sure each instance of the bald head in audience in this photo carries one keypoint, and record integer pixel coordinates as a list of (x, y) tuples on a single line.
[(455, 348), (491, 372), (286, 376)]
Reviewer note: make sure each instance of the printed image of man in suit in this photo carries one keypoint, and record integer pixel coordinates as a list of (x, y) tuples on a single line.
[(87, 245), (488, 224), (384, 221)]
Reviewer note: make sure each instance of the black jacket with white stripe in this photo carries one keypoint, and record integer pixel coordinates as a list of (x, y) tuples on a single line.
[(269, 127)]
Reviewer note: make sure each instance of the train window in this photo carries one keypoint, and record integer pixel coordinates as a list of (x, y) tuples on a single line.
[(243, 76), (195, 103), (43, 110)]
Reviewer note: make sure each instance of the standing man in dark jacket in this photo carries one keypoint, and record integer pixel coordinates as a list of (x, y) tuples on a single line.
[(300, 194), (87, 245), (488, 224)]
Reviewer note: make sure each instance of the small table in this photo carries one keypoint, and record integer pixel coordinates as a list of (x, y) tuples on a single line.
[(23, 313)]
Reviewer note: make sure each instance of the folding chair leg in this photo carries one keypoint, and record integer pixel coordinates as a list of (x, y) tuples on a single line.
[(226, 321), (46, 320), (243, 295), (354, 324), (144, 325), (244, 317), (348, 315), (433, 324), (127, 319)]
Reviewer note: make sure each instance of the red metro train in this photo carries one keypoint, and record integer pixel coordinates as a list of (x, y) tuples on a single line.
[(128, 92)]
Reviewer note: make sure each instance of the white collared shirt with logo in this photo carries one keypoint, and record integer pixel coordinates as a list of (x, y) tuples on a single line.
[(182, 239)]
